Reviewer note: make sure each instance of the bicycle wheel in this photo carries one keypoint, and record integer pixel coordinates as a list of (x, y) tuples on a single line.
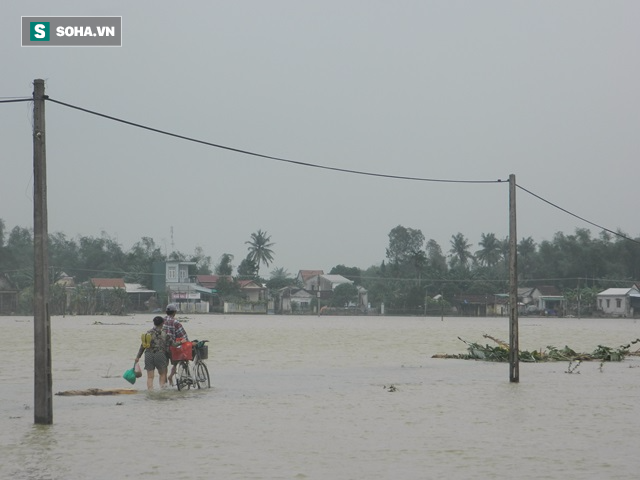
[(183, 376), (202, 376)]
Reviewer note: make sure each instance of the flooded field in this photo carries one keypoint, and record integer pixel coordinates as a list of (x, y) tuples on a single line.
[(325, 398)]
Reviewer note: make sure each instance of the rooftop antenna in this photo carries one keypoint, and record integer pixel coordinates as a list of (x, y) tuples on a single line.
[(173, 249)]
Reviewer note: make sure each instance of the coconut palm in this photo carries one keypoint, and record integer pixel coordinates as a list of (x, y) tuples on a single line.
[(491, 250), (460, 254), (259, 249)]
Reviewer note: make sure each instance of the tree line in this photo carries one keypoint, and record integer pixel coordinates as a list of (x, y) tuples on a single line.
[(413, 271)]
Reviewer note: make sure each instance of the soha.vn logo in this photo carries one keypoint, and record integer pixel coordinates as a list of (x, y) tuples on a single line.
[(40, 31)]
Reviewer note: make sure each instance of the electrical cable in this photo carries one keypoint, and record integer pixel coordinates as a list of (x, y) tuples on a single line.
[(324, 167), (576, 216), (16, 99), (269, 157)]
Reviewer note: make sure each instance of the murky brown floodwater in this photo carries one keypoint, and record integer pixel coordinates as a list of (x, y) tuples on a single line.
[(309, 398)]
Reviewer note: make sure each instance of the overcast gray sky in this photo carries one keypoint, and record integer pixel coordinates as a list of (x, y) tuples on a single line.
[(460, 90)]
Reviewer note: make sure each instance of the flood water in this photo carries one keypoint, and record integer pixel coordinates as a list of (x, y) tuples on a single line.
[(312, 397)]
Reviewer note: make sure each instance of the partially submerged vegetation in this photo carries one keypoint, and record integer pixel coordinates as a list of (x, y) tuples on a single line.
[(500, 353)]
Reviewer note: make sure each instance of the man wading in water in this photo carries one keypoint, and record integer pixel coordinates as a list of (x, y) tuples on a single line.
[(175, 330)]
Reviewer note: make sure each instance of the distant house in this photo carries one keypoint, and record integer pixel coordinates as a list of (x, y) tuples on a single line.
[(8, 297), (207, 285), (109, 296), (254, 299), (549, 300), (304, 275), (172, 283), (140, 298), (544, 299), (295, 300), (481, 305), (324, 285), (619, 302), (252, 292), (211, 281)]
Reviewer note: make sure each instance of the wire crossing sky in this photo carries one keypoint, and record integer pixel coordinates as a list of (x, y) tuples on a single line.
[(342, 170), (269, 157)]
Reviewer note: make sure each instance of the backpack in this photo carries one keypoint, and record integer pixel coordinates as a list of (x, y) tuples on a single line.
[(146, 340), (154, 338)]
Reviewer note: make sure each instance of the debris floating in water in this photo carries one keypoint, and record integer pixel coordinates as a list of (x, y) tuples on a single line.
[(500, 353), (98, 391)]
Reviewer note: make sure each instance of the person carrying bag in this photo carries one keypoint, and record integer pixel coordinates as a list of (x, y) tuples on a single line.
[(155, 344)]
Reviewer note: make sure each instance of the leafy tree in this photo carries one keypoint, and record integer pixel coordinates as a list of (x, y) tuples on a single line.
[(403, 243), (380, 288), (84, 299), (247, 269), (113, 301), (344, 295), (176, 256), (57, 299), (63, 255), (100, 257), (628, 254), (19, 257), (260, 249), (140, 260), (436, 261), (202, 263), (224, 266), (418, 261), (581, 300)]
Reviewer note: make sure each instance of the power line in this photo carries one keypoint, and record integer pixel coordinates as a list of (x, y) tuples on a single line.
[(269, 157), (312, 165), (577, 216), (16, 99)]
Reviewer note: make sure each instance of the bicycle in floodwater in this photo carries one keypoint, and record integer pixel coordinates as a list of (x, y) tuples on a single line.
[(197, 374)]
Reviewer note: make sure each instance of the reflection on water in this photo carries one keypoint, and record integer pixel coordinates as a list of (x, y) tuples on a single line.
[(34, 455), (325, 397)]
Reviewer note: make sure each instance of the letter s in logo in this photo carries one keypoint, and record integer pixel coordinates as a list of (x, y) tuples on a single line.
[(41, 31)]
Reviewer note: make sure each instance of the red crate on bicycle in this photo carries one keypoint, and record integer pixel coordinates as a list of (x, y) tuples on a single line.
[(184, 351)]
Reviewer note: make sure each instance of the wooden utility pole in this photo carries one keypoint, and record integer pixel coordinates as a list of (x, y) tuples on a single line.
[(43, 409), (514, 373)]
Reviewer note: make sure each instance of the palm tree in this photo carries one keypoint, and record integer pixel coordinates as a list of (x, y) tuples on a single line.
[(460, 250), (259, 249), (490, 252)]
